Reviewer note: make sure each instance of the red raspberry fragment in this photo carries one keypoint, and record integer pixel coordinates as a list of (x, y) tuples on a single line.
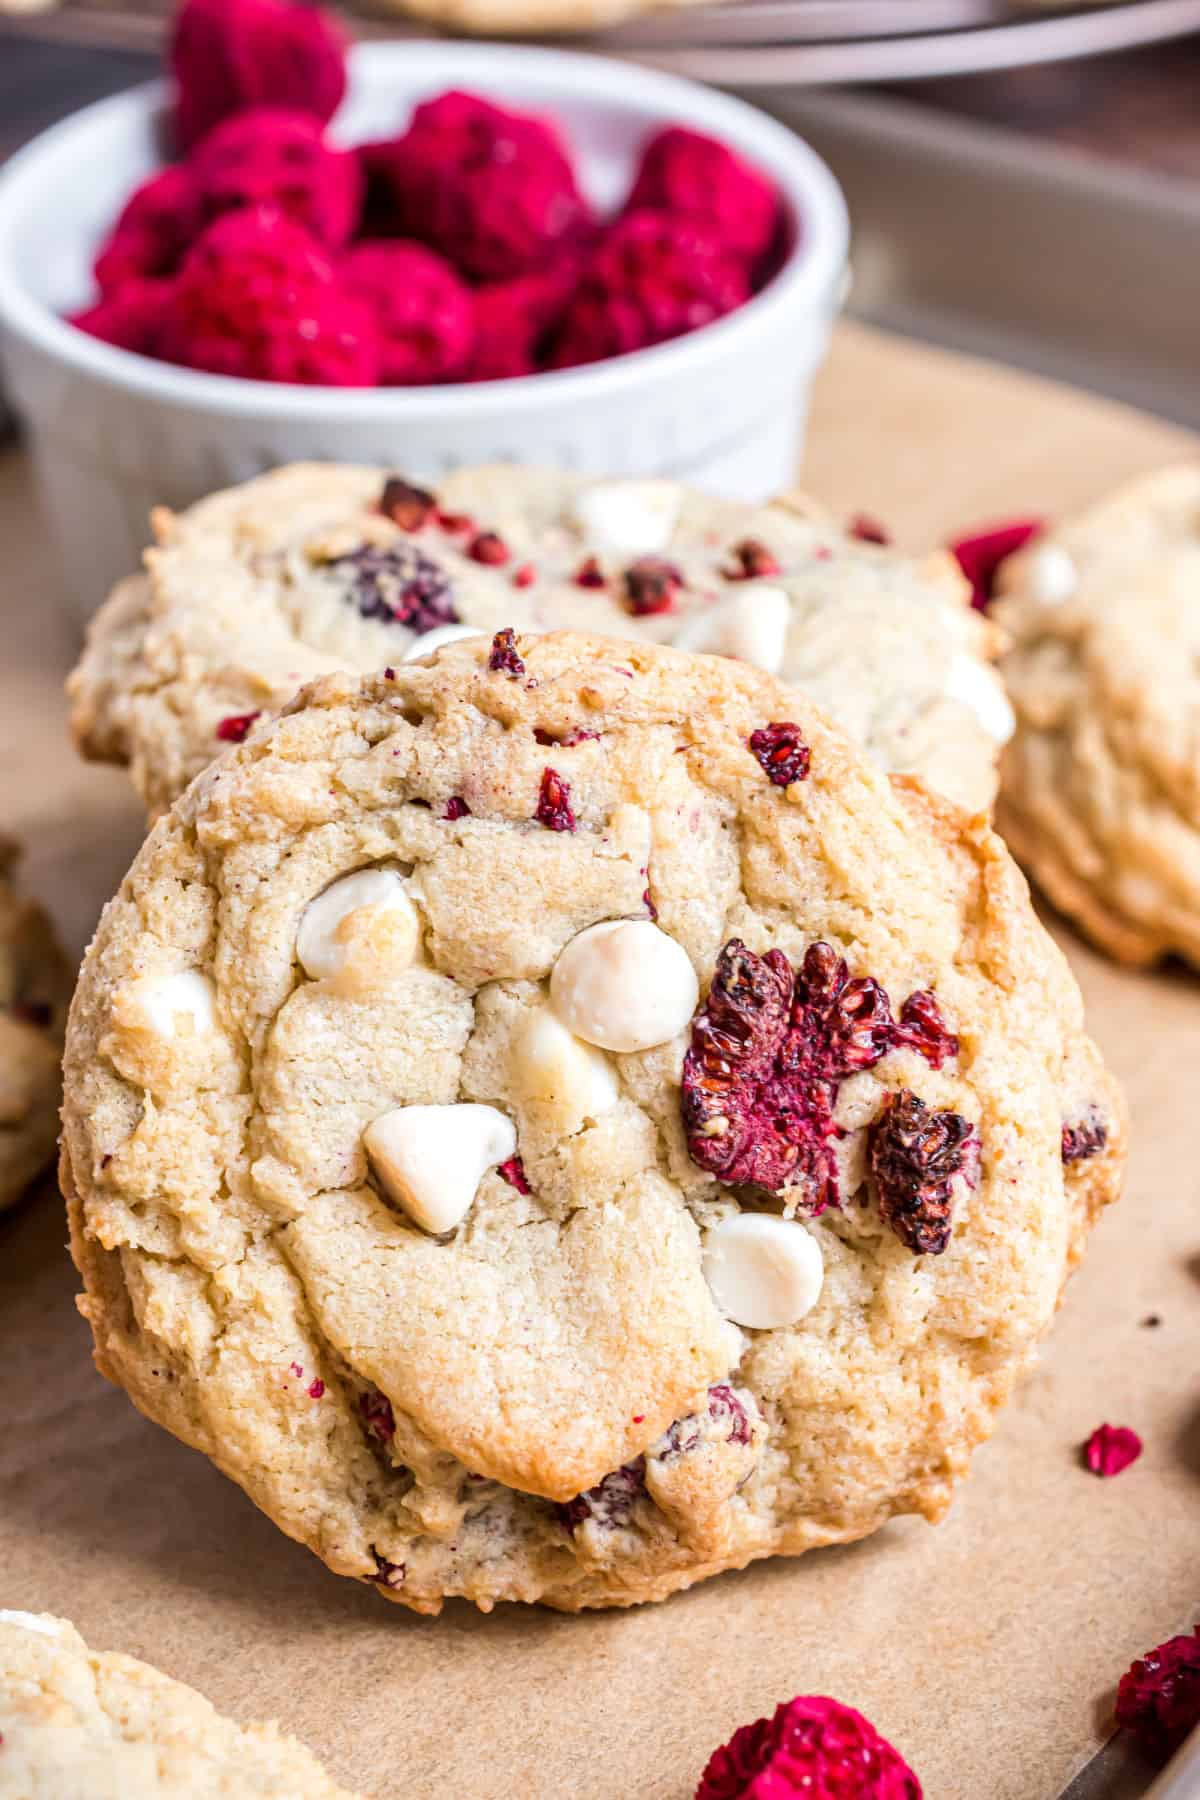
[(922, 1028), (513, 1171), (256, 297), (493, 190), (770, 1048), (914, 1155), (654, 276), (694, 176), (234, 729), (651, 586), (1084, 1137), (455, 808), (152, 232), (375, 1410), (399, 585), (405, 504), (1158, 1697), (868, 530), (981, 553), (317, 1390), (589, 574), (751, 562), (782, 754), (280, 157), (504, 658), (682, 1437), (132, 317), (423, 312), (554, 803), (811, 1746), (525, 576), (610, 1503), (490, 548), (1110, 1449), (227, 55)]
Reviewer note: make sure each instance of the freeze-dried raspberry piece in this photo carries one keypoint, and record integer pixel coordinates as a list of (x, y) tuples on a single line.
[(227, 55), (751, 562), (781, 752), (696, 177), (1085, 1137), (589, 574), (256, 297), (812, 1747), (399, 585), (490, 548), (725, 1411), (868, 530), (914, 1155), (981, 553), (133, 317), (491, 189), (1110, 1449), (922, 1028), (651, 586), (610, 1502), (505, 658), (405, 504), (554, 803), (277, 157), (152, 232), (654, 276), (1158, 1697), (514, 318), (423, 312), (513, 1171), (375, 1411), (456, 808), (769, 1050), (234, 729)]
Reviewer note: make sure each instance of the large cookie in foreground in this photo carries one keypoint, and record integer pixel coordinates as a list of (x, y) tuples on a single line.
[(316, 568), (555, 1122), (78, 1723), (1101, 783)]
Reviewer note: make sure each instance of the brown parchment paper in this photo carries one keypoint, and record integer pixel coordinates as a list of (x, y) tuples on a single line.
[(987, 1648)]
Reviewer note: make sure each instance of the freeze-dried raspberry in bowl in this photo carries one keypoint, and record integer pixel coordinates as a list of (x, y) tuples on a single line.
[(256, 297), (227, 55), (423, 311), (491, 189), (132, 317), (281, 157), (692, 176), (513, 318), (152, 232)]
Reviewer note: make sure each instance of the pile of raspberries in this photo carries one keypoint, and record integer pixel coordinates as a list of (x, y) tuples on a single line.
[(462, 250)]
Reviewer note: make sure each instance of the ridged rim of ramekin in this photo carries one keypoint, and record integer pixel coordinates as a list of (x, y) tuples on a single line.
[(808, 281)]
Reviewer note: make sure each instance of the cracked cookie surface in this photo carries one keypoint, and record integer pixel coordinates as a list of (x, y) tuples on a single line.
[(383, 1115), (299, 573), (1101, 783), (35, 987), (76, 1722)]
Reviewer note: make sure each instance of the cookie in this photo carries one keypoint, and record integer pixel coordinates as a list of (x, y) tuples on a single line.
[(317, 568), (35, 988), (77, 1722), (555, 1122), (1101, 783)]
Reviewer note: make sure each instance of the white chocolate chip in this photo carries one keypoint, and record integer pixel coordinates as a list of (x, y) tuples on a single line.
[(179, 1005), (750, 624), (628, 518), (763, 1271), (624, 985), (557, 1070), (1052, 575), (31, 1622), (366, 919), (429, 641), (431, 1159), (974, 685)]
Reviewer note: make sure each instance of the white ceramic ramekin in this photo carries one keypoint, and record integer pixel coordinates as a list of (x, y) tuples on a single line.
[(113, 434)]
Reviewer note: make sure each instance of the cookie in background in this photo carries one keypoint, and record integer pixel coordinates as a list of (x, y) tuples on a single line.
[(35, 988)]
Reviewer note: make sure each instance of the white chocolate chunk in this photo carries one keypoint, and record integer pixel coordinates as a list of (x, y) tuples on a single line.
[(627, 518), (28, 1621), (429, 641), (179, 1005), (367, 919), (431, 1159), (750, 624), (555, 1069), (1052, 575), (624, 985), (763, 1271), (978, 687)]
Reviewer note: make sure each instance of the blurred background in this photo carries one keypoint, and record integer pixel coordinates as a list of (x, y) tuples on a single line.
[(1024, 179)]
